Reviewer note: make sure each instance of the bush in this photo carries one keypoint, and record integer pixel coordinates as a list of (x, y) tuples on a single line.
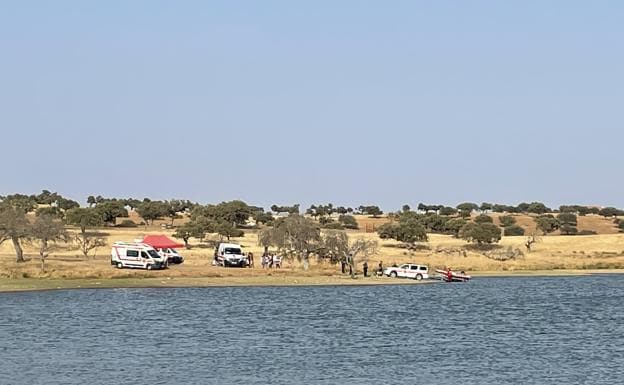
[(127, 223), (514, 230), (569, 230), (567, 219), (348, 221), (484, 219), (481, 233), (507, 220), (587, 232), (621, 225), (333, 226)]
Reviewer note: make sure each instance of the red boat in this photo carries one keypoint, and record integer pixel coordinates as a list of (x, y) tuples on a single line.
[(452, 276)]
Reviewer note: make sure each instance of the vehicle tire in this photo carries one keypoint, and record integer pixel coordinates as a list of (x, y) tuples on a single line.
[(393, 274), (119, 265), (418, 277), (148, 267)]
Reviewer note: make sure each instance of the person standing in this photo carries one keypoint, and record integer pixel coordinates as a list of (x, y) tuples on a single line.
[(365, 267), (380, 269), (250, 260)]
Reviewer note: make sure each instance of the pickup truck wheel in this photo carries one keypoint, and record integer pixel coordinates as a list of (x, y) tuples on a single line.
[(393, 274), (418, 277), (119, 265)]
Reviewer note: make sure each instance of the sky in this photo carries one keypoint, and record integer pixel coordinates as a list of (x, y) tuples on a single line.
[(349, 102)]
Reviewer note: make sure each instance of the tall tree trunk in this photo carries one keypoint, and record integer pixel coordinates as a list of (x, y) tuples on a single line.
[(306, 261), (19, 253), (43, 253)]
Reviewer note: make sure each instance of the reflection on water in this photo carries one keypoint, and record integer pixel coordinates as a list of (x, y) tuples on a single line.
[(489, 331)]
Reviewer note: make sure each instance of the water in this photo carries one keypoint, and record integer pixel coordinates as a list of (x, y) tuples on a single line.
[(489, 331)]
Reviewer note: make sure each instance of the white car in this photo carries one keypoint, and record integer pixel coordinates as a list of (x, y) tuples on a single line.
[(408, 270)]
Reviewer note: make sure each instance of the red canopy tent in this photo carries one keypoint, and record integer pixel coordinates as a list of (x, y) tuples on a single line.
[(161, 242)]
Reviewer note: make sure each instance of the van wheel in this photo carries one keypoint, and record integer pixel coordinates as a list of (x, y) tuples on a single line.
[(418, 277), (148, 267), (119, 265), (393, 274)]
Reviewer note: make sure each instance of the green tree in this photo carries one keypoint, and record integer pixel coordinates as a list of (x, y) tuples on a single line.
[(52, 211), (448, 211), (568, 222), (111, 210), (513, 230), (408, 230), (152, 210), (66, 204), (466, 209), (14, 226), (507, 220), (47, 230), (84, 219), (373, 211), (481, 233), (454, 225), (485, 207), (546, 223), (610, 212), (294, 235), (226, 229), (348, 221), (484, 219), (537, 208), (193, 229)]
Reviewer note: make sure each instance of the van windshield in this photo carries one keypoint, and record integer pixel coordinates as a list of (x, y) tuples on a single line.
[(153, 254), (232, 250)]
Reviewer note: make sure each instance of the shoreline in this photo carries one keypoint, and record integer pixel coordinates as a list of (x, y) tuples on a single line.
[(13, 285)]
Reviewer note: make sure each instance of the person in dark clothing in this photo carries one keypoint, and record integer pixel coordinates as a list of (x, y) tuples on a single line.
[(250, 260), (343, 266), (380, 269), (365, 267)]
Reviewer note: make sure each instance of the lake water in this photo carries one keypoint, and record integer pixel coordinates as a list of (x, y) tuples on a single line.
[(490, 331)]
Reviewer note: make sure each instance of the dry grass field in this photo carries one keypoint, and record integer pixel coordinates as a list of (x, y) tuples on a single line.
[(552, 252)]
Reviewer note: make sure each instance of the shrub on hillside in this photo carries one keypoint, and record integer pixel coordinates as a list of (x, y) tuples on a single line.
[(483, 219), (587, 232), (514, 230), (507, 220), (348, 221), (568, 230), (127, 223), (481, 233), (333, 226)]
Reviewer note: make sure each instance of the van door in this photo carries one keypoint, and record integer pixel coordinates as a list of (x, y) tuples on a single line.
[(132, 258)]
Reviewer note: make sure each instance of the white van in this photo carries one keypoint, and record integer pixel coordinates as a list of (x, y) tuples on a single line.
[(171, 254), (230, 254), (137, 255)]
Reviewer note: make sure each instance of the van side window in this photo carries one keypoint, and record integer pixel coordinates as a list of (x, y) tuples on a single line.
[(132, 253), (423, 268), (144, 254)]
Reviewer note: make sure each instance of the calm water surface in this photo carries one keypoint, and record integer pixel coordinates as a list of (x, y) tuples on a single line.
[(489, 331)]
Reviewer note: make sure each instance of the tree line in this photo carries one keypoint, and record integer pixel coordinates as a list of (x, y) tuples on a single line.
[(321, 222)]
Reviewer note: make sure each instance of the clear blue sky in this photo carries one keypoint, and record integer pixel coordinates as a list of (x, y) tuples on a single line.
[(353, 102)]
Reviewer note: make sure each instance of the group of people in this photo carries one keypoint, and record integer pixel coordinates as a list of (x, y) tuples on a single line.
[(270, 260), (344, 265)]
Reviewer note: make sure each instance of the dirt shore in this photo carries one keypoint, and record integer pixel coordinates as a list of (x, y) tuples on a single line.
[(37, 284)]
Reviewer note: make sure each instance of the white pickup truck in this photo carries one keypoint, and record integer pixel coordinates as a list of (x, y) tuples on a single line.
[(408, 270)]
